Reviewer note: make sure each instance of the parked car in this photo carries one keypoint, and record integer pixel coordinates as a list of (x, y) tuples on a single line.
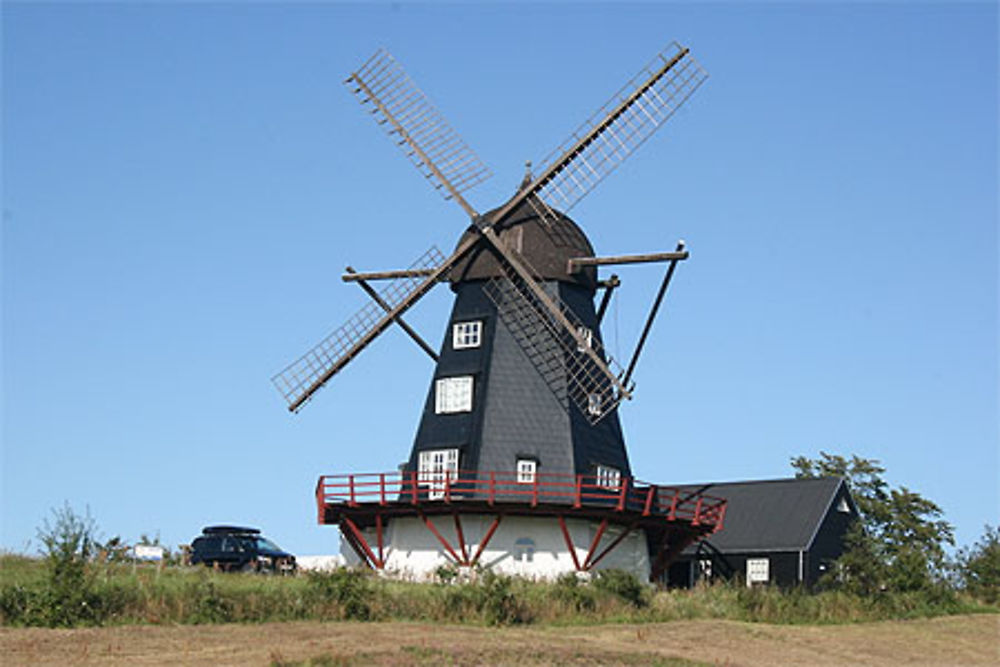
[(240, 549)]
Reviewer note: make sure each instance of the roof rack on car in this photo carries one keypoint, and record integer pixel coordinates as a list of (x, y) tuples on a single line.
[(214, 530)]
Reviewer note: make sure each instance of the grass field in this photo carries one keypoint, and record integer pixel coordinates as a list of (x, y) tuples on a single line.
[(953, 640)]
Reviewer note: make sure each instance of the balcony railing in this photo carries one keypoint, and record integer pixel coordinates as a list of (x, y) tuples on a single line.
[(577, 491)]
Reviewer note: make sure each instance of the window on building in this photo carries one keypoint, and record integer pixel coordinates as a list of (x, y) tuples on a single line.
[(608, 477), (585, 338), (435, 467), (526, 469), (704, 568), (758, 571), (842, 506), (524, 549), (453, 395), (595, 404), (465, 335)]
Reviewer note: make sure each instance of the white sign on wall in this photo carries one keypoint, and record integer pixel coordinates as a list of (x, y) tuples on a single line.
[(148, 552)]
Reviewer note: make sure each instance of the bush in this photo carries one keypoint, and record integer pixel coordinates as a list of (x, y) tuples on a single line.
[(979, 567), (350, 589), (571, 591), (624, 585)]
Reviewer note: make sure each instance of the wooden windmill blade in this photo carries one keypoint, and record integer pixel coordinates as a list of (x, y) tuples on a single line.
[(427, 139), (451, 167), (565, 353), (615, 131), (301, 379)]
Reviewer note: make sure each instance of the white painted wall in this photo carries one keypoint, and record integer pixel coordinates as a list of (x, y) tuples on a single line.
[(413, 552)]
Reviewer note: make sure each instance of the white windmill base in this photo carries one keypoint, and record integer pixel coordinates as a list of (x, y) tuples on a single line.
[(533, 547)]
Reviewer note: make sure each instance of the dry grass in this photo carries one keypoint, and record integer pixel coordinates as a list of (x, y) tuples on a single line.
[(954, 640)]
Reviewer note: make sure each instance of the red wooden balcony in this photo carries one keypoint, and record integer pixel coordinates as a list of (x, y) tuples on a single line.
[(543, 493)]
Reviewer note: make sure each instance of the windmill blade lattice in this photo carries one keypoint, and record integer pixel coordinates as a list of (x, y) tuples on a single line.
[(616, 130), (423, 134), (558, 355), (300, 380)]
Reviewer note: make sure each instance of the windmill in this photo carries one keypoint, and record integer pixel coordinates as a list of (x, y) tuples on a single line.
[(521, 424)]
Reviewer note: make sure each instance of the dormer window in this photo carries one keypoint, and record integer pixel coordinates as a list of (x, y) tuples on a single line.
[(466, 335), (526, 469), (585, 338), (608, 477), (453, 395)]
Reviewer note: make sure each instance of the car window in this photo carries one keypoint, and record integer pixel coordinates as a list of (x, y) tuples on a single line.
[(264, 544)]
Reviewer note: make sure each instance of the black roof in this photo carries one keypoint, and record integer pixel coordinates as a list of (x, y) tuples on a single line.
[(546, 245), (773, 515)]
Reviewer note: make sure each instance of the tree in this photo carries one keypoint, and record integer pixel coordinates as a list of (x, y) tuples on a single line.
[(978, 567), (70, 541), (899, 542)]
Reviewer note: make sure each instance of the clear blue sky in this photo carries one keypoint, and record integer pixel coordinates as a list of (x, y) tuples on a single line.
[(184, 184)]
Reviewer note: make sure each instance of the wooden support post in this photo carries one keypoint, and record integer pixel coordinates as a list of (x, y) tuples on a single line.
[(486, 540), (593, 545), (569, 543), (440, 538)]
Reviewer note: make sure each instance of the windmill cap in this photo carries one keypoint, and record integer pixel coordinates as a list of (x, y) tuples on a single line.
[(546, 245)]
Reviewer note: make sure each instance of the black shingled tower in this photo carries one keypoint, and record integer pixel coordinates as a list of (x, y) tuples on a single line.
[(515, 413)]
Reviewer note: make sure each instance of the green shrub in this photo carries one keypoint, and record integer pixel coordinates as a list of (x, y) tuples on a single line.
[(350, 589), (569, 590), (623, 585)]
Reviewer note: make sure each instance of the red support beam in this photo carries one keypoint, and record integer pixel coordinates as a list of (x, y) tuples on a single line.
[(376, 563), (461, 539), (649, 500), (353, 542), (593, 545), (444, 542), (378, 535), (615, 543), (569, 543), (486, 540)]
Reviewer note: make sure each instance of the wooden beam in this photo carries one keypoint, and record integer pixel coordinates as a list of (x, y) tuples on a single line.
[(576, 263)]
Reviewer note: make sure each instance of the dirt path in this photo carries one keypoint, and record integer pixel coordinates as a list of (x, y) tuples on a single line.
[(961, 640)]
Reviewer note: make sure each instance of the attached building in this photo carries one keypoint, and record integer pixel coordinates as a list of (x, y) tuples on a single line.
[(783, 532)]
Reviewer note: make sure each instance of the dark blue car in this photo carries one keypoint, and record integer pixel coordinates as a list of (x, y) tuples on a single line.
[(240, 549)]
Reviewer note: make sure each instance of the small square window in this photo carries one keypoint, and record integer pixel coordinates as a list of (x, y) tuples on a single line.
[(608, 477), (586, 338), (595, 404), (526, 469), (453, 395), (465, 335)]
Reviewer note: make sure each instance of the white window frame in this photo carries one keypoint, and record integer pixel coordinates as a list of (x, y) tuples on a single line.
[(434, 468), (595, 404), (453, 394), (758, 571), (467, 335), (588, 338), (608, 477), (527, 469)]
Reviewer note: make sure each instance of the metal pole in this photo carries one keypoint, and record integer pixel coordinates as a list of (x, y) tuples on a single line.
[(652, 316)]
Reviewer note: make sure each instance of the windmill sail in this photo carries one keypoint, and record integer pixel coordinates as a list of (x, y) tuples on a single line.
[(303, 377), (423, 134), (570, 358), (616, 130)]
